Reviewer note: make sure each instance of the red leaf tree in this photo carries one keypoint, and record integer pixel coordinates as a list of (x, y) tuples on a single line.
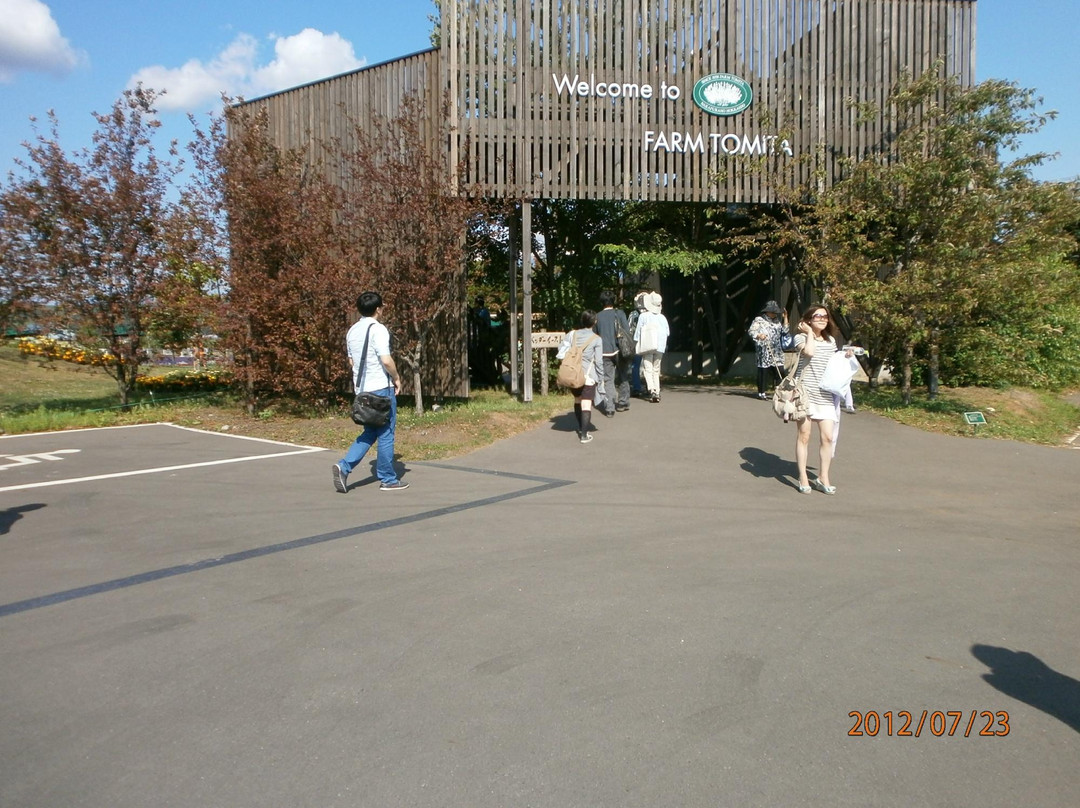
[(87, 235), (287, 266), (408, 227)]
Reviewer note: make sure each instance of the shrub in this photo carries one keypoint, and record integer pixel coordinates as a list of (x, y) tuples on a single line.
[(1041, 351)]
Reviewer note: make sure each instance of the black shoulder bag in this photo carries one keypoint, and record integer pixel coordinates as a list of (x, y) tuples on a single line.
[(625, 340), (369, 409)]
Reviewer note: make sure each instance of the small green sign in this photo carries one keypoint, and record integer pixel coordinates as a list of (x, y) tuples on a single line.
[(723, 94), (974, 418)]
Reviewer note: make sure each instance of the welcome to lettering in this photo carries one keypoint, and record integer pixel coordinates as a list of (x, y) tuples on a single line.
[(680, 142), (611, 89)]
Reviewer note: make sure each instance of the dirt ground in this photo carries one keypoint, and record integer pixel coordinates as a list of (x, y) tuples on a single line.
[(430, 439)]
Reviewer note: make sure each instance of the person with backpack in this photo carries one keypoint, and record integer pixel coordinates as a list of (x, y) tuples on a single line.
[(582, 370)]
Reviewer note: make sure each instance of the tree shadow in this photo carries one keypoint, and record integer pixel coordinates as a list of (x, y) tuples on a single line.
[(765, 464), (708, 388), (9, 516), (1027, 678), (65, 404)]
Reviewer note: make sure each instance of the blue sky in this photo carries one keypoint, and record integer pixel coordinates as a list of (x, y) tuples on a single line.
[(77, 56)]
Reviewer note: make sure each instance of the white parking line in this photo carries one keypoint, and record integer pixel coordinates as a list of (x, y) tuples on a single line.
[(308, 450), (297, 450)]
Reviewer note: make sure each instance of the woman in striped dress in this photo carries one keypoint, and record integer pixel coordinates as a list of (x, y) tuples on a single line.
[(817, 339)]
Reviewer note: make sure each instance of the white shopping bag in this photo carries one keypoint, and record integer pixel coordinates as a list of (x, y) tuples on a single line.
[(839, 373)]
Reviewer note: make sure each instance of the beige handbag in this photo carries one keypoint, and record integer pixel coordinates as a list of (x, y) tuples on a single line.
[(789, 398)]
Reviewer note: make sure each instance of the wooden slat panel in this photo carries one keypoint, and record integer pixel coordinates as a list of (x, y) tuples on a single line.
[(521, 139)]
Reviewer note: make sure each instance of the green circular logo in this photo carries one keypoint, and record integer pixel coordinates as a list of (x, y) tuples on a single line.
[(723, 94)]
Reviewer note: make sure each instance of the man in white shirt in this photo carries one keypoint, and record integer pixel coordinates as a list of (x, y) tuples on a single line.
[(373, 371)]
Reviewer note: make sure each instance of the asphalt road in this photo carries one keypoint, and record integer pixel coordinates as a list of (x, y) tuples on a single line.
[(655, 619)]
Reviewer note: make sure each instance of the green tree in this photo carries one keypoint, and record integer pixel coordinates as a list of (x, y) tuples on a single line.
[(667, 239), (87, 236), (662, 238), (187, 309), (1025, 326), (918, 235), (569, 267)]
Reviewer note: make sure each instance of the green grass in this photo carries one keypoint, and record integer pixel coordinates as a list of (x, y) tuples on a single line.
[(29, 384), (1031, 416), (1021, 414), (39, 396)]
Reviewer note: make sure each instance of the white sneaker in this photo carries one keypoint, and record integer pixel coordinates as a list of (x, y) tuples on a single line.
[(340, 480)]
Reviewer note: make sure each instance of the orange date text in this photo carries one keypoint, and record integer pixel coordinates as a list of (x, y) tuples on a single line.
[(915, 724)]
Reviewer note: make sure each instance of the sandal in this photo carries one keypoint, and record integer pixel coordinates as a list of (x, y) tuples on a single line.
[(820, 486), (803, 489)]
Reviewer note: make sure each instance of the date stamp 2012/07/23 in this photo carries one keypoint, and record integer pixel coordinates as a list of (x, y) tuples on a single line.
[(907, 724)]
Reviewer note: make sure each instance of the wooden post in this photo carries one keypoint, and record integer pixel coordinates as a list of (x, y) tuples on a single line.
[(526, 293), (543, 372), (513, 308), (724, 353), (696, 358)]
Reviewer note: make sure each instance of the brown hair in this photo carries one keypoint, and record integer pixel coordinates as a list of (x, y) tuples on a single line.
[(830, 329)]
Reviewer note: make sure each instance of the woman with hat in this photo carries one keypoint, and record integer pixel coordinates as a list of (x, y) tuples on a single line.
[(651, 335), (769, 330)]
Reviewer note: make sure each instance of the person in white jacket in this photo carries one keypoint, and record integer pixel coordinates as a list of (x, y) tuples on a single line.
[(651, 335)]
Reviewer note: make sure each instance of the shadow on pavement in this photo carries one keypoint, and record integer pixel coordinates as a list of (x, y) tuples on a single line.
[(10, 516), (568, 422), (1027, 678), (765, 464)]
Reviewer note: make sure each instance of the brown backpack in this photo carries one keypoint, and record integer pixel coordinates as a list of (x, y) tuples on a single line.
[(571, 372)]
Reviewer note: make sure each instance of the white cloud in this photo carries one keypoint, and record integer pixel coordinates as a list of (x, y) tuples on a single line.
[(196, 83), (304, 57), (30, 40)]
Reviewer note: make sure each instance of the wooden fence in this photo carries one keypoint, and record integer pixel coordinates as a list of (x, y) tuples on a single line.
[(596, 98)]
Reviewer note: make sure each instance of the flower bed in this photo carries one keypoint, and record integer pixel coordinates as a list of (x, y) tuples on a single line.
[(185, 381), (53, 349)]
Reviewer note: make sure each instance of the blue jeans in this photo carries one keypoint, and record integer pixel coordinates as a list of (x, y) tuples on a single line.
[(384, 464)]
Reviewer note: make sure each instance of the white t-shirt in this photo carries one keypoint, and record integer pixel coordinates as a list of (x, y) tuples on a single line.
[(375, 375)]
